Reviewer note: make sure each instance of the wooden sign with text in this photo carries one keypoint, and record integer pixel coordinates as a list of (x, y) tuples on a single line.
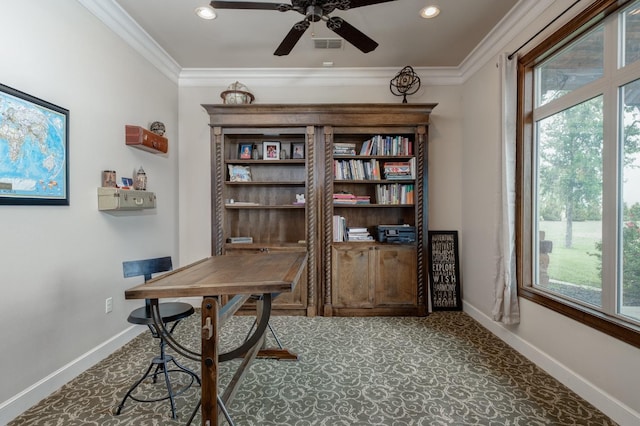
[(444, 271)]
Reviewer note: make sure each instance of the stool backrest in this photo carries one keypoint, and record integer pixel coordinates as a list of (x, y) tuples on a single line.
[(146, 267)]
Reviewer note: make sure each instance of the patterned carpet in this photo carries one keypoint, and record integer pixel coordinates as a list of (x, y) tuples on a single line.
[(444, 369)]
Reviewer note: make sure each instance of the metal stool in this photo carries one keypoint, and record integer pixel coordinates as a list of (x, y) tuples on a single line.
[(171, 313)]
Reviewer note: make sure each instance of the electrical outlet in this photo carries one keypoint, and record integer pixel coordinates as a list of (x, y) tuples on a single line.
[(108, 305)]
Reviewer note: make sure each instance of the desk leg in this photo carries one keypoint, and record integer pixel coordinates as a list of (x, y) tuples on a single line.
[(209, 367)]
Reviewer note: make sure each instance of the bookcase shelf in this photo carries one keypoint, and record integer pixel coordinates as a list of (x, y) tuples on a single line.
[(276, 183), (240, 206)]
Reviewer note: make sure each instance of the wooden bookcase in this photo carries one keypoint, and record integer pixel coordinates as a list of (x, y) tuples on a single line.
[(257, 199), (342, 277), (373, 277)]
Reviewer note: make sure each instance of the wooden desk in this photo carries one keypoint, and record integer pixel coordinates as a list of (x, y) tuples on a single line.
[(243, 276)]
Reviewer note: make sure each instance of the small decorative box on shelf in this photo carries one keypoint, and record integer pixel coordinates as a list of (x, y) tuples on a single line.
[(146, 140), (116, 199)]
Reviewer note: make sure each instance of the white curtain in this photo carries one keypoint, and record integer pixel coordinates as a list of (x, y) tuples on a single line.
[(505, 308)]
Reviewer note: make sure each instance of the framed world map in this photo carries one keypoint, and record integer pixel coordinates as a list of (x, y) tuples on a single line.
[(34, 150)]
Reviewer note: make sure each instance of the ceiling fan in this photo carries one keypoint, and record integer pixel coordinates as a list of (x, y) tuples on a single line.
[(313, 11)]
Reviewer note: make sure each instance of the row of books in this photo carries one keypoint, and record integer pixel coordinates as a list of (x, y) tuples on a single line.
[(348, 198), (370, 169), (356, 169), (387, 145), (341, 232), (395, 193), (377, 145)]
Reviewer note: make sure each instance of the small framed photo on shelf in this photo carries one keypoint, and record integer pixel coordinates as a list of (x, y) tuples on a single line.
[(244, 152), (297, 150), (271, 150), (239, 173)]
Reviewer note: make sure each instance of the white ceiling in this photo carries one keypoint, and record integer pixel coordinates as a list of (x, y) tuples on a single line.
[(247, 38)]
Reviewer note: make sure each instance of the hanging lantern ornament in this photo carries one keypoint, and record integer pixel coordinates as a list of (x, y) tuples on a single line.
[(406, 82), (237, 93)]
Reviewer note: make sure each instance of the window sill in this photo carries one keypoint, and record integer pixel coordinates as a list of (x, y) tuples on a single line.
[(614, 327)]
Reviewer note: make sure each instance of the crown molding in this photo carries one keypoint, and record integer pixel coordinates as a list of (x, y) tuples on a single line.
[(365, 76), (508, 34), (497, 41), (507, 30), (119, 21)]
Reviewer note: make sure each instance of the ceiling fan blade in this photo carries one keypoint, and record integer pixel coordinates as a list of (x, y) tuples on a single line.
[(292, 38), (358, 3), (247, 5), (351, 34)]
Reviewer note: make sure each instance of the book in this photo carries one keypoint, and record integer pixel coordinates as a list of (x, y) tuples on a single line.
[(344, 148), (344, 198), (240, 240), (339, 228), (357, 229)]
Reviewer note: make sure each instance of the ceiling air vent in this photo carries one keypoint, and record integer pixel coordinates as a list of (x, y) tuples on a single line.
[(327, 43)]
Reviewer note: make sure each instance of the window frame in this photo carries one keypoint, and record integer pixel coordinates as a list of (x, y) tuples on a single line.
[(612, 325)]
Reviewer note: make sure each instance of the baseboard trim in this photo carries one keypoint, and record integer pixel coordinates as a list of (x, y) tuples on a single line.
[(616, 410), (18, 404)]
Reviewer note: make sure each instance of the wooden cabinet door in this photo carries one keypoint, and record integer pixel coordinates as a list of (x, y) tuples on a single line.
[(396, 279), (352, 277)]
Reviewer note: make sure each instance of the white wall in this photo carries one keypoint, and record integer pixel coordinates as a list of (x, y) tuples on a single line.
[(600, 368), (195, 153), (59, 264)]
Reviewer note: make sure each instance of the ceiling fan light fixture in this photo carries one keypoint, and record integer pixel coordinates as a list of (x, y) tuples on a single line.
[(206, 12), (313, 11), (429, 12)]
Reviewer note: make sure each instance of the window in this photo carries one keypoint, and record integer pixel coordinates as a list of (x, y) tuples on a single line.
[(579, 163)]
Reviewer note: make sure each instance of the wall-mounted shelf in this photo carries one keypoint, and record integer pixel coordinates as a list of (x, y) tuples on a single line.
[(138, 137), (116, 199)]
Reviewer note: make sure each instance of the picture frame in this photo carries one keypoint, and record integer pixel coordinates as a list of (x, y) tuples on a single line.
[(34, 150), (127, 182), (444, 271), (244, 151), (297, 150), (270, 150), (239, 173)]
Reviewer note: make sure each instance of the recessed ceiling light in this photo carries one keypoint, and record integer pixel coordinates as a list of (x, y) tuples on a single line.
[(429, 12), (206, 12)]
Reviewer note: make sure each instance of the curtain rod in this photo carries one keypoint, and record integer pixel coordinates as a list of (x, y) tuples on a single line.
[(544, 28)]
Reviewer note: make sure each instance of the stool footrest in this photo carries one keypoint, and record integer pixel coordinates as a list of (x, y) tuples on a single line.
[(161, 364)]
